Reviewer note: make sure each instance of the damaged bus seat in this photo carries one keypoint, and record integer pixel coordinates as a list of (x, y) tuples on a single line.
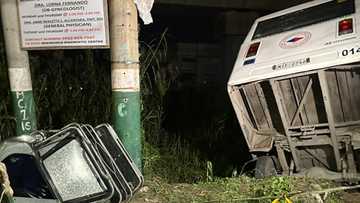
[(78, 163)]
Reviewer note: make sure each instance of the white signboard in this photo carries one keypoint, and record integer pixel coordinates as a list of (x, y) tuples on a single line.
[(59, 24)]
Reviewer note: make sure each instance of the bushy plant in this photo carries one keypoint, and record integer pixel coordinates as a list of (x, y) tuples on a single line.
[(274, 186)]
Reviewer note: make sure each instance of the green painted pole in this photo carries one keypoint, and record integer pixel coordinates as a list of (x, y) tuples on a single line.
[(125, 75), (19, 70)]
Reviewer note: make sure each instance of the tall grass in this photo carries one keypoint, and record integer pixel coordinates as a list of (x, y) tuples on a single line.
[(166, 156), (71, 86), (154, 85)]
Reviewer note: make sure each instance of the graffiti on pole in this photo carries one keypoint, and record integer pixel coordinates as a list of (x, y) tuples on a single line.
[(25, 122), (24, 112)]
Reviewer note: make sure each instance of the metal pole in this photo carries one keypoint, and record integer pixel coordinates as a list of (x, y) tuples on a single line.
[(19, 70), (125, 75)]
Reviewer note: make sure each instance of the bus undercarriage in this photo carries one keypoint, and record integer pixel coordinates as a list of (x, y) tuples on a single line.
[(309, 119)]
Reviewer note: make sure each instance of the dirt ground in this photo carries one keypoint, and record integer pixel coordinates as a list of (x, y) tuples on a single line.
[(351, 197), (237, 189)]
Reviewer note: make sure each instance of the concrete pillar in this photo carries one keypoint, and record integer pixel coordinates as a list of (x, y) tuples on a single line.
[(125, 75), (19, 70)]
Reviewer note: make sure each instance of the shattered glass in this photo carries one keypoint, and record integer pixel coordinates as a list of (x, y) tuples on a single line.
[(71, 173)]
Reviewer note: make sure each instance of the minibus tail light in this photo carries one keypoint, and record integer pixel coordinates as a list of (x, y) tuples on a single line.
[(253, 49), (346, 26)]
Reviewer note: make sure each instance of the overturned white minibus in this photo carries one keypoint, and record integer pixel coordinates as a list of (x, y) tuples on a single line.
[(295, 88)]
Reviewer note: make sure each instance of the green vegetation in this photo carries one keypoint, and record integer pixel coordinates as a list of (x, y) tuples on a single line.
[(237, 189), (71, 86), (173, 166)]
